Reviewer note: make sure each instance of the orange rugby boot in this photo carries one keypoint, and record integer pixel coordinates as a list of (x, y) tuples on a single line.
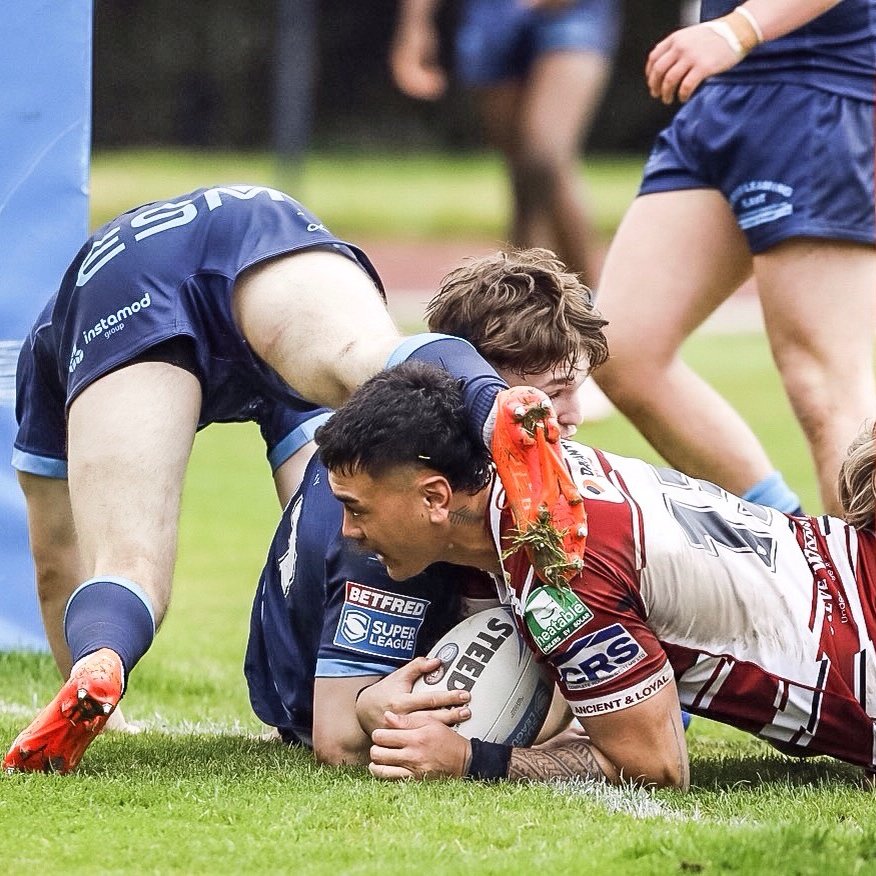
[(57, 738), (545, 503)]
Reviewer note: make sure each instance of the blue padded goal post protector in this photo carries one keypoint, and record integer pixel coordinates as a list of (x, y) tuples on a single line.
[(45, 128)]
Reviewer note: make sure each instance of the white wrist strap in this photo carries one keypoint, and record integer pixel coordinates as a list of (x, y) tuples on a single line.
[(749, 17), (724, 30)]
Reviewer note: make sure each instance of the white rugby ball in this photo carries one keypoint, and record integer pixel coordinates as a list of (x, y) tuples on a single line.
[(510, 692)]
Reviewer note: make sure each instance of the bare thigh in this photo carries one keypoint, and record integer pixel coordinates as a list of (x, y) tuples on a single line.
[(318, 320), (818, 300), (675, 258), (130, 435)]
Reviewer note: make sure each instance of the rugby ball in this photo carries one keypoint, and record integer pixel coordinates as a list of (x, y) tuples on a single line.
[(510, 692)]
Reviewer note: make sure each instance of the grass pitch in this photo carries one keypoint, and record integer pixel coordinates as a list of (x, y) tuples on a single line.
[(199, 792)]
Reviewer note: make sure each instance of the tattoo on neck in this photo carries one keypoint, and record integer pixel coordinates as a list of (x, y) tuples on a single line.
[(575, 759), (464, 516)]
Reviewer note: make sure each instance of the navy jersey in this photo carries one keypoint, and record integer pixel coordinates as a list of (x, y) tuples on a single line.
[(835, 52), (160, 271), (324, 608)]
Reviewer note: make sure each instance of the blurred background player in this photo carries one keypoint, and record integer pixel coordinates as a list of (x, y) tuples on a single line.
[(323, 609), (228, 303), (768, 628), (768, 167), (538, 70)]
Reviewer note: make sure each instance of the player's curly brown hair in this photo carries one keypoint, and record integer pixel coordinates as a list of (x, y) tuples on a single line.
[(523, 311), (857, 480)]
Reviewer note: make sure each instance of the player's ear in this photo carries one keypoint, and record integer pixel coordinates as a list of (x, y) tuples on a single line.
[(436, 494)]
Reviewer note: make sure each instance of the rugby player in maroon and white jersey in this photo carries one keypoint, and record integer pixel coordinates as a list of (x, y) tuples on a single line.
[(687, 594)]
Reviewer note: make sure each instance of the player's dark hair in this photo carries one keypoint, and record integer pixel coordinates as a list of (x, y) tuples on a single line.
[(411, 414), (523, 311)]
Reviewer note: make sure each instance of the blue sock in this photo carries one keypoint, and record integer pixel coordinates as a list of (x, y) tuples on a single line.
[(480, 383), (773, 491), (111, 613)]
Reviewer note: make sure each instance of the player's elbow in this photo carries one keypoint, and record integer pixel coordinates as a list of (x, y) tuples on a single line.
[(672, 777), (334, 752), (669, 774)]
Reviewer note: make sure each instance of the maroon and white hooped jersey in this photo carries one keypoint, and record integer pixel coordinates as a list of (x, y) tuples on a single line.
[(764, 620)]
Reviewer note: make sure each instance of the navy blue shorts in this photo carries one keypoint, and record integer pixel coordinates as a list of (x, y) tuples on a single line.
[(792, 161), (157, 282), (500, 39)]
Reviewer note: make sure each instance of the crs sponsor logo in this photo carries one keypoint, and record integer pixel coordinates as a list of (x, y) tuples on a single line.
[(76, 357), (379, 623), (599, 657), (554, 615), (114, 322)]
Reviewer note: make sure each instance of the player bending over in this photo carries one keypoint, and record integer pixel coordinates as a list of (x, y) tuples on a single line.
[(226, 303), (327, 619), (688, 593)]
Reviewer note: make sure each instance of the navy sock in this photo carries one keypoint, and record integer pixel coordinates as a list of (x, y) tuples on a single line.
[(773, 491), (480, 383), (109, 612)]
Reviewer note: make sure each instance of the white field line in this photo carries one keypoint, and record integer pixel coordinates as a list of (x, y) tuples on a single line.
[(623, 799)]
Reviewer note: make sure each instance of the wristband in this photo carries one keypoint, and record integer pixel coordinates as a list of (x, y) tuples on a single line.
[(748, 15), (723, 29), (489, 760)]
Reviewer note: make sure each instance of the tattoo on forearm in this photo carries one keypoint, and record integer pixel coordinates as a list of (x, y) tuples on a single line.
[(574, 759), (465, 516)]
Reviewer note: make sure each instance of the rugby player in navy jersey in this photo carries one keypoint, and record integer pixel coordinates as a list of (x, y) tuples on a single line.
[(686, 593), (767, 168), (223, 304), (327, 620)]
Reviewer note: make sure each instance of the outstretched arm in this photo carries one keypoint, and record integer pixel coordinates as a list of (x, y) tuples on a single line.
[(678, 64), (644, 743)]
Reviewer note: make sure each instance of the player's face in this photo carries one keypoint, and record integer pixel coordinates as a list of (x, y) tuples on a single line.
[(388, 517), (565, 394)]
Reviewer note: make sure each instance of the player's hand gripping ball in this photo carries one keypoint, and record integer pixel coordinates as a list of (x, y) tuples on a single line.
[(510, 692)]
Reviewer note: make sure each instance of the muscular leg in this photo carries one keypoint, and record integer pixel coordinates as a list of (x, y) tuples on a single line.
[(674, 259), (56, 558), (130, 437), (818, 301), (57, 564), (317, 319)]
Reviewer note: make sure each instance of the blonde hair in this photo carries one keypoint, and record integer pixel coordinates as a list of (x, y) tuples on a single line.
[(523, 311), (856, 487)]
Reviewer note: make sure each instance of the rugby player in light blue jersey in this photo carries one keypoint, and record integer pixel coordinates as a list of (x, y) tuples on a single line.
[(226, 303), (767, 168), (327, 620)]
